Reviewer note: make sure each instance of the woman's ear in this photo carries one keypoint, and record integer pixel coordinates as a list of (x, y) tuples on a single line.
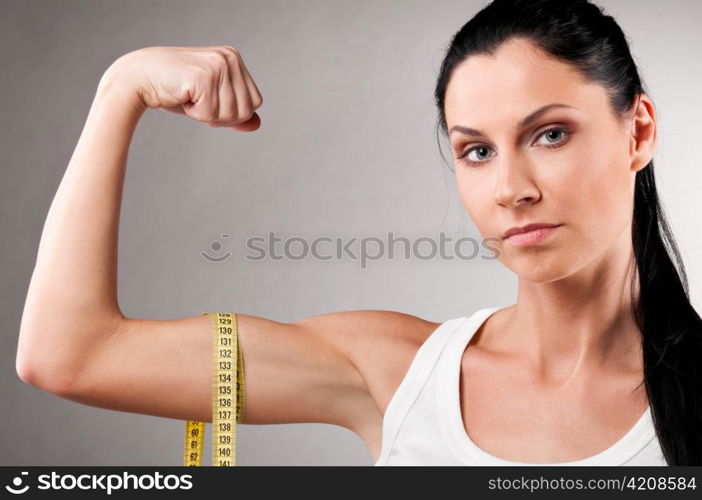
[(643, 133)]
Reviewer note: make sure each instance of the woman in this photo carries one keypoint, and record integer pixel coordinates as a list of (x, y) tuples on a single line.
[(596, 363)]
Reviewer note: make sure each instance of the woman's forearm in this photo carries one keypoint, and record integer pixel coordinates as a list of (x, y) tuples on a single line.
[(71, 304)]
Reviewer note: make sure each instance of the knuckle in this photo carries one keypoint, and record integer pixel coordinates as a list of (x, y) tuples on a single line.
[(232, 62), (216, 60), (231, 50)]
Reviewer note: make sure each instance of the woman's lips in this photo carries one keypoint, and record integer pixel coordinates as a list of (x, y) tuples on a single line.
[(531, 237)]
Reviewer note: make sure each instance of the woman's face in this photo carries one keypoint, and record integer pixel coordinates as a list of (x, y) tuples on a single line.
[(568, 165)]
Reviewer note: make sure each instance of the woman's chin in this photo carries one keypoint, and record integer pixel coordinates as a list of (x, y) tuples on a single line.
[(540, 269)]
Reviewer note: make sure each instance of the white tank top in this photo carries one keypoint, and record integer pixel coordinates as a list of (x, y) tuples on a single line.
[(423, 425)]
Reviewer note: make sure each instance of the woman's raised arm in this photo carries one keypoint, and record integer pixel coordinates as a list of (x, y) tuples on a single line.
[(75, 341)]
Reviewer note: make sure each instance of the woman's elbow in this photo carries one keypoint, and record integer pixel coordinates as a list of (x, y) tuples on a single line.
[(40, 370)]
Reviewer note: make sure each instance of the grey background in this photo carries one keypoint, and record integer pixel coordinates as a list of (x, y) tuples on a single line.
[(347, 148)]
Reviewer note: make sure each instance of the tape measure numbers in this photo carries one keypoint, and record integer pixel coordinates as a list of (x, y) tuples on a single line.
[(228, 396)]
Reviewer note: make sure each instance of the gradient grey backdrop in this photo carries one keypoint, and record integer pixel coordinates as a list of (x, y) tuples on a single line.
[(347, 147)]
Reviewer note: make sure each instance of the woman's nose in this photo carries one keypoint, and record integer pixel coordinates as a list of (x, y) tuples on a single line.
[(515, 185)]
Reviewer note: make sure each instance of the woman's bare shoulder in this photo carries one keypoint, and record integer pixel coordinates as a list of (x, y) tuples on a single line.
[(381, 344)]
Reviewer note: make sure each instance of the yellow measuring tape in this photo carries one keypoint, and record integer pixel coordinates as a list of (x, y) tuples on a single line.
[(228, 397)]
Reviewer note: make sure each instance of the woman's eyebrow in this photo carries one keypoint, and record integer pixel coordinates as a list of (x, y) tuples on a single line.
[(525, 121)]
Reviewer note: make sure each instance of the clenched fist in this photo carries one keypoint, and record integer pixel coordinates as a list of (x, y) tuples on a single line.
[(208, 84)]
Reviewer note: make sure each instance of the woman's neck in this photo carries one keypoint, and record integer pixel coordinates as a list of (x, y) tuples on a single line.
[(581, 322)]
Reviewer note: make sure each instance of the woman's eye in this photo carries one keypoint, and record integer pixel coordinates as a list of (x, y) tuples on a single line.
[(477, 155), (558, 132), (481, 152)]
